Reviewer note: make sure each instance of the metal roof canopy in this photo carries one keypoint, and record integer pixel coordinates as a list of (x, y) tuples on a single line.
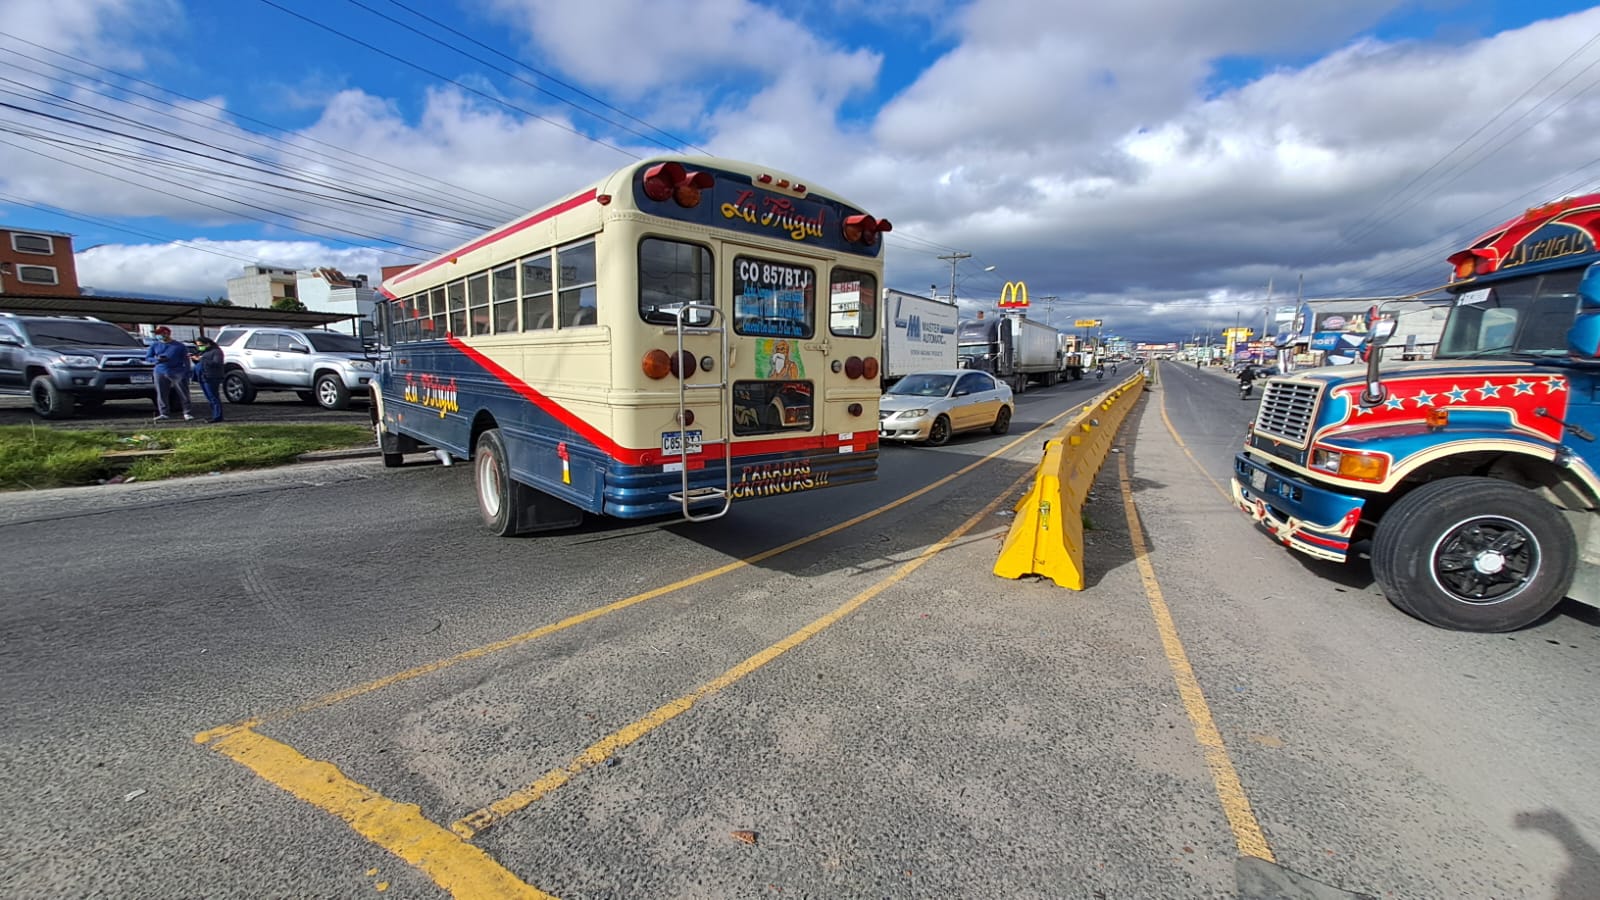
[(163, 312)]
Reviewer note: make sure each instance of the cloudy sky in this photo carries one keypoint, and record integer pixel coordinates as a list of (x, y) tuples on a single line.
[(1153, 163)]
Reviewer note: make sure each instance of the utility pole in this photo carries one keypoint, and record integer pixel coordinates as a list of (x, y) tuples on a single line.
[(1049, 308), (955, 256)]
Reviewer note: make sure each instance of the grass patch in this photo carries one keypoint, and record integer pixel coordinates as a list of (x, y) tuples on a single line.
[(33, 456)]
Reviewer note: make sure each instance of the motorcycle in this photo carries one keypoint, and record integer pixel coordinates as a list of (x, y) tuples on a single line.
[(1244, 389)]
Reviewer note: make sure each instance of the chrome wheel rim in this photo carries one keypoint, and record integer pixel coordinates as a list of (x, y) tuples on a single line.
[(1485, 560), (488, 484)]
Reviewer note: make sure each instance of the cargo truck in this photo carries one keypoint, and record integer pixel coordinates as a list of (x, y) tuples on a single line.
[(919, 334), (1012, 348)]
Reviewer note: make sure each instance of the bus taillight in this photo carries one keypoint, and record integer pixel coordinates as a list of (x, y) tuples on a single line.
[(864, 229), (683, 364), (657, 364), (853, 367), (869, 367), (670, 179)]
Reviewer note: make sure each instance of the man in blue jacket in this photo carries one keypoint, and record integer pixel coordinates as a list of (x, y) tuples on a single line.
[(172, 372)]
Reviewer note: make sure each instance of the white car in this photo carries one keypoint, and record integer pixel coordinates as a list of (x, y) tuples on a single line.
[(931, 406)]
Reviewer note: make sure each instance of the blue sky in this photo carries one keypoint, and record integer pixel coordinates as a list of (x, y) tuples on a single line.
[(1155, 163)]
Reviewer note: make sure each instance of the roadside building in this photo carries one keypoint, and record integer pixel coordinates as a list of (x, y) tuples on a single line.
[(37, 263), (260, 285)]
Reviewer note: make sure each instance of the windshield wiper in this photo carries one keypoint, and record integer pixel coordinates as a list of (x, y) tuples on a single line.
[(1477, 353)]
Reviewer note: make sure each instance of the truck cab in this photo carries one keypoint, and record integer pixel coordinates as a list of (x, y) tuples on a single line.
[(1471, 479)]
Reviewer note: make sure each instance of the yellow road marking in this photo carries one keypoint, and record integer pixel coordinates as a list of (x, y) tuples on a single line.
[(1247, 832), (1185, 448), (590, 615), (475, 822), (465, 871)]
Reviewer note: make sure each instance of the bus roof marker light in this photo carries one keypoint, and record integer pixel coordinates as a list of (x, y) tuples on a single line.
[(864, 229), (661, 179), (687, 193)]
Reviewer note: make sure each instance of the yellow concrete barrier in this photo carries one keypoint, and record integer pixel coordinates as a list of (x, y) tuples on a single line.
[(1046, 538)]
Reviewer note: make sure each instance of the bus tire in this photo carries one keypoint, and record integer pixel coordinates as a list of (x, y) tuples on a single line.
[(1474, 554), (491, 476)]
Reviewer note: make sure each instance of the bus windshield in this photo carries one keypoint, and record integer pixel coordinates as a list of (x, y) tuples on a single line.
[(1527, 316)]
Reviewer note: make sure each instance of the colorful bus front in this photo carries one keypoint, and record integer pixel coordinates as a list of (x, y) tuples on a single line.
[(687, 334)]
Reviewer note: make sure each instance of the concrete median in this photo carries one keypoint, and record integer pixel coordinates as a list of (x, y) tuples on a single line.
[(1046, 538)]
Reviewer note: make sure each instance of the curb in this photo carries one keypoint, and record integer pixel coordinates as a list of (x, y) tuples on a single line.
[(325, 455)]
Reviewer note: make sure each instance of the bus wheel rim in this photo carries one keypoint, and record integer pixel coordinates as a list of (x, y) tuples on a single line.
[(489, 484), (1485, 560)]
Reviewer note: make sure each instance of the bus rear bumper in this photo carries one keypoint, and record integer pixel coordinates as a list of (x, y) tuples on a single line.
[(638, 492)]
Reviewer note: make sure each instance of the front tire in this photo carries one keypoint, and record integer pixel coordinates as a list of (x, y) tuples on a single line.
[(491, 474), (331, 392), (1002, 421), (49, 401), (236, 388), (939, 433), (1474, 554)]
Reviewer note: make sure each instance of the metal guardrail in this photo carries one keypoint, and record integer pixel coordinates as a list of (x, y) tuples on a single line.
[(1046, 538)]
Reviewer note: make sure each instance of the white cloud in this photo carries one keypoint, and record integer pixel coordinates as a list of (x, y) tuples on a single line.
[(203, 268)]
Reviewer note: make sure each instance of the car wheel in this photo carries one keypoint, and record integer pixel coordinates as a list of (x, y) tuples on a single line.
[(306, 396), (236, 388), (1474, 554), (1002, 421), (49, 401), (491, 472), (939, 433), (331, 393)]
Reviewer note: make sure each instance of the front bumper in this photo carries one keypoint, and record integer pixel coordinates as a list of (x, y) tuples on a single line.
[(892, 429), (1312, 520), (100, 383)]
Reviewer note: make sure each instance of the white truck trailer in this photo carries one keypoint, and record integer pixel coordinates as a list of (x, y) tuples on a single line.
[(919, 333)]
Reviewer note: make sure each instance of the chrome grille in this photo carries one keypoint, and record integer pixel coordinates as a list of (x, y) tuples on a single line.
[(1287, 410)]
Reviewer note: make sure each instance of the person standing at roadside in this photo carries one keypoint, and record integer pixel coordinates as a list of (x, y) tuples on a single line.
[(172, 372), (208, 371)]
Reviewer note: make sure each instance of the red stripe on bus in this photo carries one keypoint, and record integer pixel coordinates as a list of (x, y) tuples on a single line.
[(511, 229), (861, 441), (587, 431)]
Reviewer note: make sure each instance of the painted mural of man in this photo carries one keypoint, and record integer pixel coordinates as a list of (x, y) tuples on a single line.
[(782, 365)]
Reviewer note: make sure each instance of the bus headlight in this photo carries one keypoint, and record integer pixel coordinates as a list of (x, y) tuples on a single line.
[(1346, 464)]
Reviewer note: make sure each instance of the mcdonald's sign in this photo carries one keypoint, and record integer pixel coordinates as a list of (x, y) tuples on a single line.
[(1013, 296)]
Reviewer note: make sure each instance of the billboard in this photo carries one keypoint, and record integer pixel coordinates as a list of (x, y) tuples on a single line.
[(1086, 323), (1014, 295)]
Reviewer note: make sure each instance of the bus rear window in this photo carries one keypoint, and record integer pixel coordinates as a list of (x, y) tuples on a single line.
[(852, 303), (772, 299), (766, 407), (672, 273)]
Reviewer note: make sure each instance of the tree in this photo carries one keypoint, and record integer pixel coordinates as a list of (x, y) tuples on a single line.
[(288, 304)]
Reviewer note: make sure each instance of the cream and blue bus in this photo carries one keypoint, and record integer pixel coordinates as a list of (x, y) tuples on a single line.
[(684, 334)]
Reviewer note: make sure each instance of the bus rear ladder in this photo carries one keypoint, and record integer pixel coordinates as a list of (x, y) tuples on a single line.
[(687, 497)]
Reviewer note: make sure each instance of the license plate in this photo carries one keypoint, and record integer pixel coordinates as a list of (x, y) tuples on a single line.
[(1258, 479), (673, 441), (141, 379)]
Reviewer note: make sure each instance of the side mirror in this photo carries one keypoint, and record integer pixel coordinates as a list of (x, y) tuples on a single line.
[(10, 340), (299, 348), (1380, 331), (1583, 338)]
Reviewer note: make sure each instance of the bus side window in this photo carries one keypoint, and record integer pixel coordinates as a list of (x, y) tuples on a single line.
[(537, 284), (575, 283), (504, 285), (478, 303), (437, 313), (456, 293)]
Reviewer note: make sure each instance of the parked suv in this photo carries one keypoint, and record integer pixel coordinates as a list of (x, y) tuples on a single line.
[(323, 367), (66, 362)]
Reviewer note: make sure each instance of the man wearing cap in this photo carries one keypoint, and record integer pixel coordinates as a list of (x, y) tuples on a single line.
[(172, 371)]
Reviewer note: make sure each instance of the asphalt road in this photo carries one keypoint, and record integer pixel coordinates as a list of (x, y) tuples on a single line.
[(667, 710)]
